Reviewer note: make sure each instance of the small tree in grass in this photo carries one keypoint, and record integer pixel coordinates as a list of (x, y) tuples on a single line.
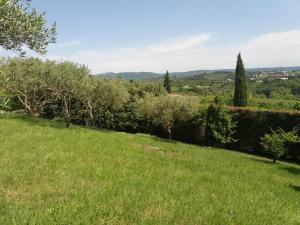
[(275, 144), (220, 126)]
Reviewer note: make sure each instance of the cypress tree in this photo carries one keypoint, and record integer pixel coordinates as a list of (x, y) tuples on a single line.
[(240, 92), (167, 82)]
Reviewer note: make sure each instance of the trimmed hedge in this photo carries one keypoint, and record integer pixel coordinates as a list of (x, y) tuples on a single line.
[(251, 126)]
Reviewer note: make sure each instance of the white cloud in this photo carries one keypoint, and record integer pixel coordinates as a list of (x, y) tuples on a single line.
[(68, 44), (192, 52), (182, 43)]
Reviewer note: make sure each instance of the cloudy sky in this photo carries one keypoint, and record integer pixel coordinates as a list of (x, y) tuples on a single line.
[(178, 35)]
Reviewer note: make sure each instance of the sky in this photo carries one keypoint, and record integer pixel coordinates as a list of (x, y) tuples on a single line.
[(174, 35)]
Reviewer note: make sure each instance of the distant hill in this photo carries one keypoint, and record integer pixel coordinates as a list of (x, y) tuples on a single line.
[(150, 75), (132, 75)]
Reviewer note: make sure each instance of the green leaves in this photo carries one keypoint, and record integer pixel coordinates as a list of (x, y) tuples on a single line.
[(275, 143), (240, 92), (219, 123), (22, 27), (167, 82)]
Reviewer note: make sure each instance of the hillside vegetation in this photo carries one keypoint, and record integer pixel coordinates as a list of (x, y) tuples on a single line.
[(50, 174)]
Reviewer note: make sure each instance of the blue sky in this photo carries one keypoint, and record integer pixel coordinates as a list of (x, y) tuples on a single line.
[(178, 35)]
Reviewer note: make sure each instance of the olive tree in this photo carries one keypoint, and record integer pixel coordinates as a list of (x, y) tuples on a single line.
[(64, 81), (100, 96), (22, 26), (25, 79), (166, 110)]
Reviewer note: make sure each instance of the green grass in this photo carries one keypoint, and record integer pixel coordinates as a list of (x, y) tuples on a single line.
[(55, 175)]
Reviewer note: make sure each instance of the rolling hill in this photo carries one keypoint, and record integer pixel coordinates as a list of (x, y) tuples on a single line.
[(150, 75)]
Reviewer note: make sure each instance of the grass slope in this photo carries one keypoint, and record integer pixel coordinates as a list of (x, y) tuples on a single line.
[(54, 175)]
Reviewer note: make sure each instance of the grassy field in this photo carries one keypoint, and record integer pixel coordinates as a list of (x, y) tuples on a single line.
[(55, 175)]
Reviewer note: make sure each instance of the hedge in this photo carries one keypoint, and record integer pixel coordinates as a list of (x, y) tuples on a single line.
[(251, 126)]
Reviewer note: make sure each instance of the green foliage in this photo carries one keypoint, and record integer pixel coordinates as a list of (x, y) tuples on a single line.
[(24, 79), (165, 110), (101, 98), (4, 103), (240, 91), (220, 126), (167, 82), (22, 26), (275, 143)]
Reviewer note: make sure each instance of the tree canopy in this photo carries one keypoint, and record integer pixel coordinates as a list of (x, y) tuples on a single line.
[(22, 27)]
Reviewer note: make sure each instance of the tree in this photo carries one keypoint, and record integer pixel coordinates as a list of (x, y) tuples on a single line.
[(240, 92), (220, 127), (167, 82), (65, 81), (165, 110), (22, 26), (275, 144), (100, 96), (25, 80)]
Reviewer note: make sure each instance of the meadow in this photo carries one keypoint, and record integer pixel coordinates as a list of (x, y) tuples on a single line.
[(50, 174)]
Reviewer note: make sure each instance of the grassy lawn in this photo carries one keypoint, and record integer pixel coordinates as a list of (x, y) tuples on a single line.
[(55, 175)]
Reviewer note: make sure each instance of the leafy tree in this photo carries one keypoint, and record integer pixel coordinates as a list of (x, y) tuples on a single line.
[(166, 110), (275, 144), (167, 82), (240, 92), (100, 96), (25, 80), (65, 81), (220, 127), (22, 26)]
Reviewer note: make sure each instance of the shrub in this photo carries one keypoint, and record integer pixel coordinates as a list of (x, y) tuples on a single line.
[(220, 126), (275, 143)]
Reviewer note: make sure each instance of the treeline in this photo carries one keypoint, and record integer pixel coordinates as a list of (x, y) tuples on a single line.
[(67, 92)]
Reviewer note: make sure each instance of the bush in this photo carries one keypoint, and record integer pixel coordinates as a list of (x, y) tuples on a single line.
[(276, 143), (220, 127)]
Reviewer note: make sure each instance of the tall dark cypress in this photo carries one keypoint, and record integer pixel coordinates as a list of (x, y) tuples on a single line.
[(167, 82), (240, 92)]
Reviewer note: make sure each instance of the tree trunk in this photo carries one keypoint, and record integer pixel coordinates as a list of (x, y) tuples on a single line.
[(67, 112), (169, 133), (274, 160), (92, 120)]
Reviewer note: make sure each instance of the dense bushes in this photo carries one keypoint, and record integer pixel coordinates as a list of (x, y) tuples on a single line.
[(66, 91)]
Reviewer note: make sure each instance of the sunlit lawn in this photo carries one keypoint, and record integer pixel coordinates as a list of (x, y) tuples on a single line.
[(55, 175)]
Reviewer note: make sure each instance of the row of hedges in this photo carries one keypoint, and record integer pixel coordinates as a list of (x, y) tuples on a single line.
[(251, 126)]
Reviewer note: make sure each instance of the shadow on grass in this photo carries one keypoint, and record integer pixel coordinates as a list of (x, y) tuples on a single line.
[(159, 139), (295, 188), (292, 170), (266, 161), (44, 122)]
